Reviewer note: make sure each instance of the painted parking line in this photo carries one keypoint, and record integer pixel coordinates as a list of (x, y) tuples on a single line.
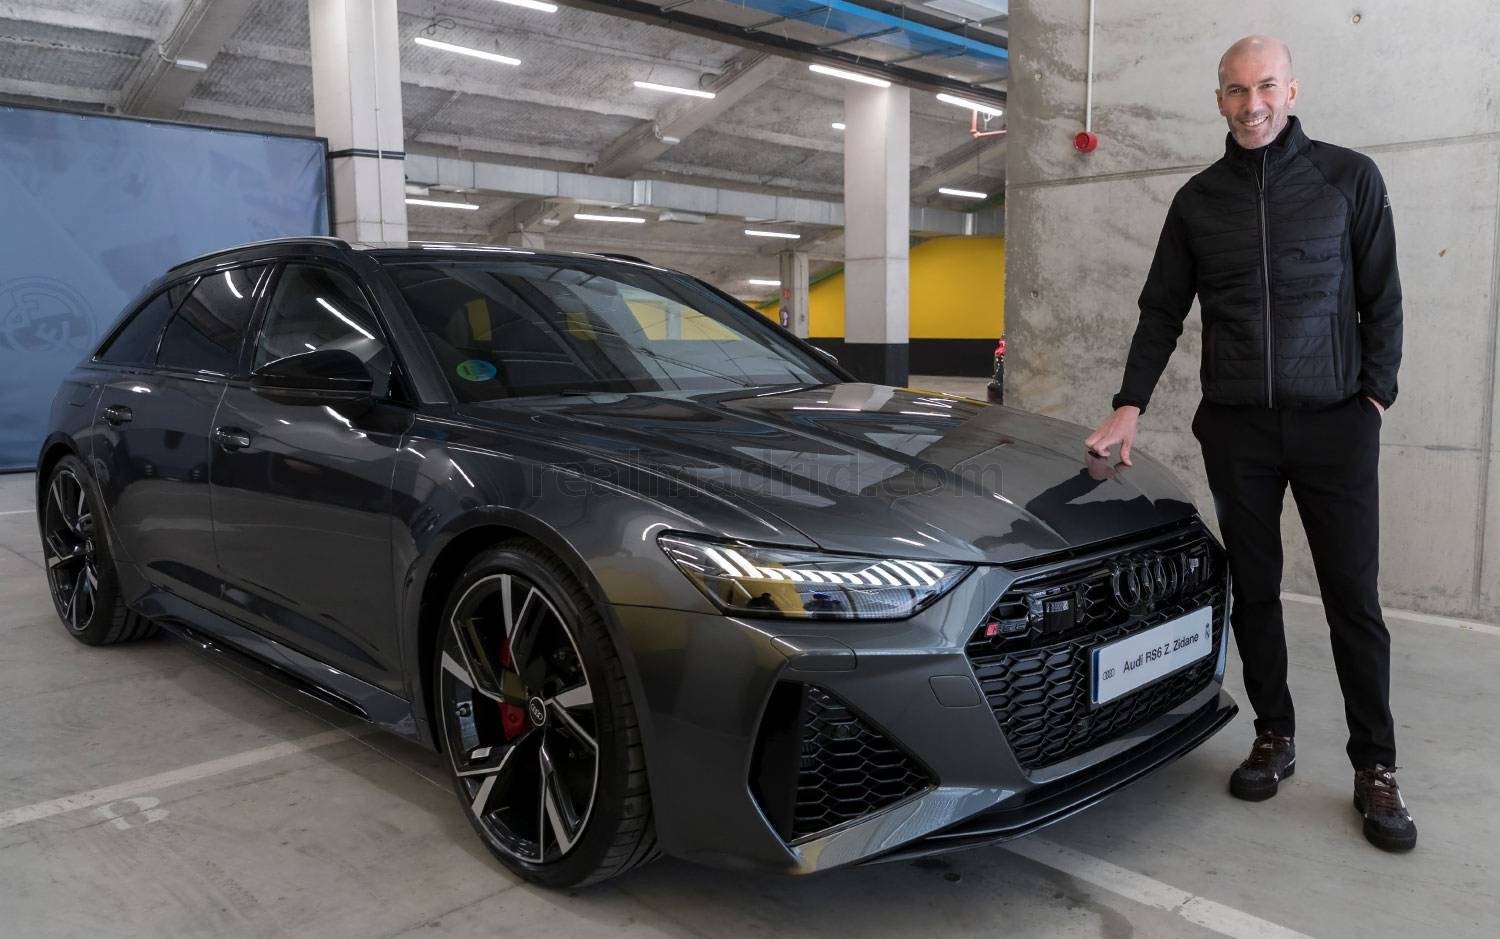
[(1150, 892), (1452, 622), (138, 787)]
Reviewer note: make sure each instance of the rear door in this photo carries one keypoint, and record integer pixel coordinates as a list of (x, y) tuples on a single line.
[(301, 491), (150, 447)]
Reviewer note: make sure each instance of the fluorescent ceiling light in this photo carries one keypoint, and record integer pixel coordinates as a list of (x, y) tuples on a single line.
[(968, 105), (190, 65), (839, 125), (673, 89), (755, 233), (466, 206), (850, 76), (465, 50), (532, 5), (344, 319), (761, 282), (964, 193), (590, 217)]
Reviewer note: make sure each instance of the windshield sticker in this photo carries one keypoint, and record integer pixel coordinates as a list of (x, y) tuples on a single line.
[(475, 370)]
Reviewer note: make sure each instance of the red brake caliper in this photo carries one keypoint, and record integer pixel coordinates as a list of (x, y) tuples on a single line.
[(512, 718)]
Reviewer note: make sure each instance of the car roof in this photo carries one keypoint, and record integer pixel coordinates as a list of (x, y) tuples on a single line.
[(384, 251)]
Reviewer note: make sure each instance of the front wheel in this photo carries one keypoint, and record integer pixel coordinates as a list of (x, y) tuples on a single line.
[(537, 721)]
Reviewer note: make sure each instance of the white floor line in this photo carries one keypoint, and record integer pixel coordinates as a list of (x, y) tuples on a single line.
[(1148, 892), (1450, 621), (149, 784)]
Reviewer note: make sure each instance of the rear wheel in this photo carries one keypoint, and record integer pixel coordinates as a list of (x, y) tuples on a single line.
[(80, 570), (538, 724)]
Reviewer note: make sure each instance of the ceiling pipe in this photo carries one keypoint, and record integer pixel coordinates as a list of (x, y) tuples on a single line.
[(533, 183), (1086, 141), (976, 133)]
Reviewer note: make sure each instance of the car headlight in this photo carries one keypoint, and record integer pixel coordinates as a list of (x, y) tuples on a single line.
[(762, 581)]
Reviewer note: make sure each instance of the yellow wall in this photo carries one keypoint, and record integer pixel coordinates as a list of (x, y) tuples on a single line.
[(957, 292)]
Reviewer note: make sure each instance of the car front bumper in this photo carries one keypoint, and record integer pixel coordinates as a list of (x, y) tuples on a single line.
[(925, 752)]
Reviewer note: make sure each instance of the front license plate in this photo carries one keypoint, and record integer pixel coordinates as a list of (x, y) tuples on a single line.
[(1122, 667)]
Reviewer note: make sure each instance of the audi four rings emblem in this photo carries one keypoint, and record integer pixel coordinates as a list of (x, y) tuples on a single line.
[(1144, 580)]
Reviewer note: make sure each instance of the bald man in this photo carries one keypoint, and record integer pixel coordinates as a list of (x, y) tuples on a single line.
[(1289, 247)]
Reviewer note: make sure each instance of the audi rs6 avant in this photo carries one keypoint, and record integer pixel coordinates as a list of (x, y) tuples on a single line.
[(653, 574)]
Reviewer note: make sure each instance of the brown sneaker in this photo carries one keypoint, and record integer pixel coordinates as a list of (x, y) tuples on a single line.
[(1271, 760), (1388, 825)]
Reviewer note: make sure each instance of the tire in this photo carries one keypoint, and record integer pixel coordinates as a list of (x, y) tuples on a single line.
[(80, 568), (525, 677)]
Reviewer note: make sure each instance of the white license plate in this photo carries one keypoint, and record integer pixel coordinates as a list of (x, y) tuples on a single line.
[(1122, 667)]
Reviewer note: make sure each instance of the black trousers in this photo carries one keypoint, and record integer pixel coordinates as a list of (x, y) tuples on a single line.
[(1330, 458)]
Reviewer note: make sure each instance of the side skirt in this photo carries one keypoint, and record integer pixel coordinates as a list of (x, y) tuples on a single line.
[(247, 649)]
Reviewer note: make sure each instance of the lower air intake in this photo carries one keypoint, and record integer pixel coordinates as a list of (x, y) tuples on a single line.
[(819, 765)]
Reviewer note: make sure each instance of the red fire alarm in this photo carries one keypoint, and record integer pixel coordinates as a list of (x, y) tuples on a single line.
[(1085, 142)]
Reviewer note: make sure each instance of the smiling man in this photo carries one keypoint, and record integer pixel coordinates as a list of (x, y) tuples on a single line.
[(1289, 246)]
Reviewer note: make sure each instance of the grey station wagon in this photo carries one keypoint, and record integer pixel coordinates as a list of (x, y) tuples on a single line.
[(653, 574)]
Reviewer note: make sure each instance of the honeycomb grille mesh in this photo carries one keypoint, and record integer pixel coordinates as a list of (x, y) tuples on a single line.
[(847, 768), (1038, 685)]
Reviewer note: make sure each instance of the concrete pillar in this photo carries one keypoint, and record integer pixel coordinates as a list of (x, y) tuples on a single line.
[(794, 278), (356, 65), (877, 232)]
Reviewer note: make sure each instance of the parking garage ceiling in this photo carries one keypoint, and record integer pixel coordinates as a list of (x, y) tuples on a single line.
[(572, 104)]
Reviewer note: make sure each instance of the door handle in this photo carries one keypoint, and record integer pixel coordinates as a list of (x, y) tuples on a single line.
[(117, 414), (231, 438)]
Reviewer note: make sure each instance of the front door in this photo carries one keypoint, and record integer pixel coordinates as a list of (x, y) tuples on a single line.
[(301, 491)]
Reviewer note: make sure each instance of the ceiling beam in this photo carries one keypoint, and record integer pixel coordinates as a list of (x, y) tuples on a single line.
[(678, 16), (815, 246), (642, 145), (503, 91), (644, 194), (244, 114), (529, 215), (157, 87), (53, 92), (64, 19), (959, 163)]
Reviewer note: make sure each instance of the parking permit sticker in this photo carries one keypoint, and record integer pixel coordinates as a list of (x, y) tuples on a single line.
[(475, 370)]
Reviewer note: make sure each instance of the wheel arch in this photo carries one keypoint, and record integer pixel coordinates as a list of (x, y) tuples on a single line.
[(54, 448), (460, 544)]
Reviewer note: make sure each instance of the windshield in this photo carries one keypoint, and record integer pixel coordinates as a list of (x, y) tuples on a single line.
[(507, 329)]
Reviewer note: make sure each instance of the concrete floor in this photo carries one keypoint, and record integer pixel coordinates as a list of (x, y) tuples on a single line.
[(145, 790)]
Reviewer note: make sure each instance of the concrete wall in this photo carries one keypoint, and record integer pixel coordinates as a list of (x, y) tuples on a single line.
[(1413, 86)]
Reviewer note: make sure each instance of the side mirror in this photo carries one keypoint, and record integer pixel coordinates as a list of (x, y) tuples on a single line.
[(315, 376)]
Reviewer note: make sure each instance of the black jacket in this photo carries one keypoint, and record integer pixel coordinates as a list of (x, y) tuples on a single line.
[(1292, 254)]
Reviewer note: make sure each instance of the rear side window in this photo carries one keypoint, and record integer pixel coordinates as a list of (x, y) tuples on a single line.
[(205, 334), (135, 343)]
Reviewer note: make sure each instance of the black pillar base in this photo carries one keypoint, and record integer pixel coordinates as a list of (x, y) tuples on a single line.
[(880, 363)]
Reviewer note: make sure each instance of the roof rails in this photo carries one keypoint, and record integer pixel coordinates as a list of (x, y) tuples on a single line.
[(299, 239), (623, 257)]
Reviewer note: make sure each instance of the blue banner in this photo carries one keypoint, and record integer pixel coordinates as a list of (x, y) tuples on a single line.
[(92, 208)]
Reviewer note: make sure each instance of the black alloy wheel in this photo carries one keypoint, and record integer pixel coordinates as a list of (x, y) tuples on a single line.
[(532, 702), (80, 570)]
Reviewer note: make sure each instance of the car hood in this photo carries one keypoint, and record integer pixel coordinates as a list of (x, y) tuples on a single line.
[(869, 468)]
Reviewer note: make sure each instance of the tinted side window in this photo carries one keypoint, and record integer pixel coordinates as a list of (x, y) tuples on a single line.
[(206, 332), (315, 308), (135, 343)]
